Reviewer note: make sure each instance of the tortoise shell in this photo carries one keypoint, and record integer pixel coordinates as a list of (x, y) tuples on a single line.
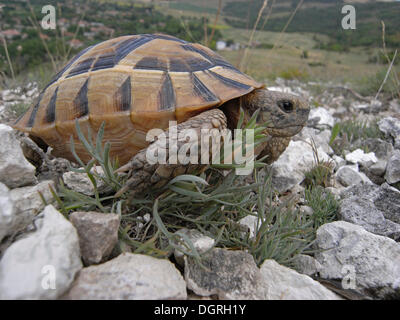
[(134, 83)]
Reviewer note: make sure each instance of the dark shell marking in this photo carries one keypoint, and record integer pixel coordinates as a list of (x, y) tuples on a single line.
[(201, 90), (70, 63), (51, 108), (229, 82), (104, 62), (167, 94), (123, 96), (151, 63), (32, 117), (128, 46), (121, 49), (81, 103), (213, 59)]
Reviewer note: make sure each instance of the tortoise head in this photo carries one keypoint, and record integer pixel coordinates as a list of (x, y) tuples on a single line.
[(284, 113)]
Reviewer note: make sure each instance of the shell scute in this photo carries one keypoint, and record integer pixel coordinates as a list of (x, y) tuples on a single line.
[(133, 83)]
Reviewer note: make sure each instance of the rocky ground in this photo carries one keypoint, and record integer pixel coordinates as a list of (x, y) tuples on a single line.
[(44, 255)]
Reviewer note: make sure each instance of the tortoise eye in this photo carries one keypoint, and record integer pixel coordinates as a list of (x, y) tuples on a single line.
[(286, 106)]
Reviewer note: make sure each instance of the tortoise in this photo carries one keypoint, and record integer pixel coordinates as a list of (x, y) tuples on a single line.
[(135, 83)]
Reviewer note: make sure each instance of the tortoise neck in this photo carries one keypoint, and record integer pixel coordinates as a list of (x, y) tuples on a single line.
[(232, 108)]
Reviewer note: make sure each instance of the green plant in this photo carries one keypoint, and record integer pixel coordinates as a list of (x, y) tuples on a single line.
[(320, 174), (396, 185), (315, 104), (335, 132), (325, 206), (250, 127), (72, 200), (316, 64), (265, 46), (345, 133), (294, 73), (215, 207), (323, 203), (212, 203)]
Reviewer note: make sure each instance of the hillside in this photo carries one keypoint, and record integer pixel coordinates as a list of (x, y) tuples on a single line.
[(324, 16), (316, 16)]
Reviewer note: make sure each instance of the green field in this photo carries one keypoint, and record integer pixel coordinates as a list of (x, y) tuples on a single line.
[(287, 59), (192, 7)]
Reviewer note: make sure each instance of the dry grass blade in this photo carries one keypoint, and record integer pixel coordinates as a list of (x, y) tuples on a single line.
[(205, 30), (278, 41), (391, 63), (35, 25), (387, 75), (3, 39), (268, 15), (62, 34), (243, 62), (77, 29), (215, 22)]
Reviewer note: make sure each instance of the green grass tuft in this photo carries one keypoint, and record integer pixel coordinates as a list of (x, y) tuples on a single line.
[(345, 133), (319, 175), (325, 206)]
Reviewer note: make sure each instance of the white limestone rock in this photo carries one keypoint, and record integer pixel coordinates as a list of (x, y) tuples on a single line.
[(129, 277), (15, 170), (282, 283), (43, 264)]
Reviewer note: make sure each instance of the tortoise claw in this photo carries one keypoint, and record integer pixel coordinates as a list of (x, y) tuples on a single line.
[(137, 178), (134, 164), (123, 169), (121, 191)]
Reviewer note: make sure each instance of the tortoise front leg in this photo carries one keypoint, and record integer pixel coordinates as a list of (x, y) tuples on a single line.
[(142, 174)]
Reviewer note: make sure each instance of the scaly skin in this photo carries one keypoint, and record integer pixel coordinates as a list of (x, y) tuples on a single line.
[(285, 114), (142, 174)]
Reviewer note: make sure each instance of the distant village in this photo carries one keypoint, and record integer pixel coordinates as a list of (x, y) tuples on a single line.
[(17, 30), (78, 27), (92, 30), (227, 45)]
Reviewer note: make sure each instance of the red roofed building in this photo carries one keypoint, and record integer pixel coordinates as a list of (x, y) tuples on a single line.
[(10, 33), (75, 43)]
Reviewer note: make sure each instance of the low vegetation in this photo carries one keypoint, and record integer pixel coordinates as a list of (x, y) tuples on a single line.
[(325, 206), (324, 16), (319, 175), (369, 85), (345, 133), (212, 203)]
